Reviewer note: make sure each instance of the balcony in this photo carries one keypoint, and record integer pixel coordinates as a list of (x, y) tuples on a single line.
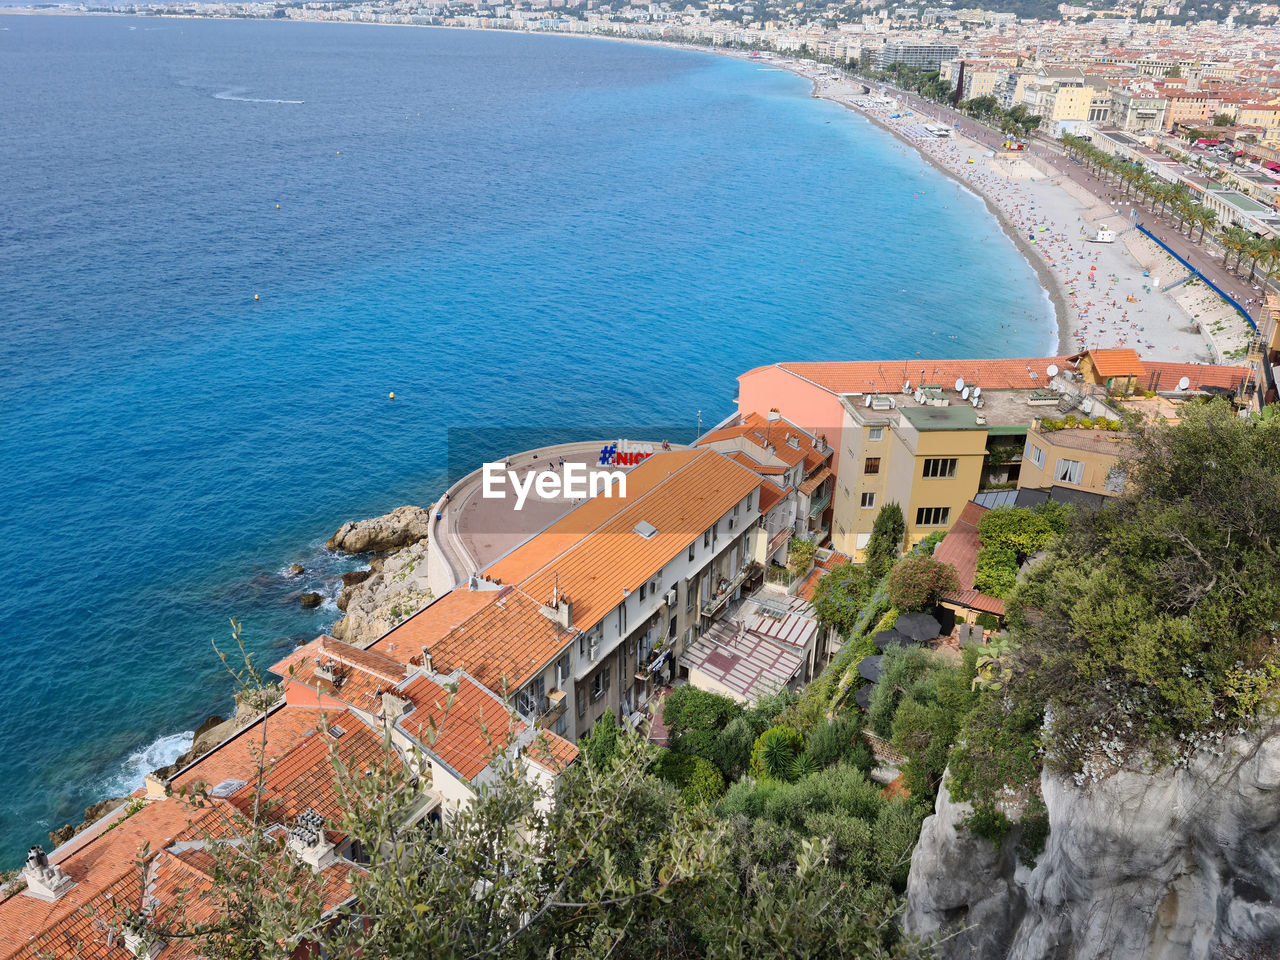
[(556, 701), (819, 503), (723, 593)]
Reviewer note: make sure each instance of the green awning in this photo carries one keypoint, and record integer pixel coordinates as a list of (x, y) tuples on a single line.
[(1008, 430)]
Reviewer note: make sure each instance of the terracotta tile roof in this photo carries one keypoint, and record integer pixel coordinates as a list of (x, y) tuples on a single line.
[(1117, 362), (960, 549), (814, 482), (552, 752), (594, 514), (94, 867), (888, 376), (766, 470), (426, 627), (820, 569), (360, 676), (593, 573), (1200, 374), (763, 432), (304, 778), (771, 496), (237, 758), (454, 726), (504, 644)]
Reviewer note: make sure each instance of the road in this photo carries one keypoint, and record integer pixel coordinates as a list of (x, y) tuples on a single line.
[(1166, 228)]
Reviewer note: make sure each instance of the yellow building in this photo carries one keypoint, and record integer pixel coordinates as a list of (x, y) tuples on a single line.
[(1074, 458), (927, 459)]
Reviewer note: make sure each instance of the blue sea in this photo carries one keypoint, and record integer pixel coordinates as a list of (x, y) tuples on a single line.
[(223, 244)]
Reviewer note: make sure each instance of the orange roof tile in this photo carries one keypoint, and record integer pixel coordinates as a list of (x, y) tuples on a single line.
[(815, 481), (1117, 362), (405, 642), (504, 644), (237, 758), (763, 469), (94, 866), (360, 676), (888, 376), (593, 574), (771, 496), (763, 433), (463, 729), (553, 752), (1200, 374)]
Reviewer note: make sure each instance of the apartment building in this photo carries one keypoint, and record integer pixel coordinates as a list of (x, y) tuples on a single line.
[(1075, 459), (928, 435), (1135, 110), (925, 56), (583, 617)]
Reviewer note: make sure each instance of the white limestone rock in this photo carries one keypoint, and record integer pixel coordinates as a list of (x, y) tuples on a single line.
[(399, 528), (1176, 865), (395, 591)]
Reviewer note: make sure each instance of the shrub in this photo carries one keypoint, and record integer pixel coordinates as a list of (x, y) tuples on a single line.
[(601, 745), (1022, 530), (838, 597), (695, 718), (774, 752), (918, 582), (851, 839), (835, 741), (997, 571), (732, 750), (800, 556), (896, 830)]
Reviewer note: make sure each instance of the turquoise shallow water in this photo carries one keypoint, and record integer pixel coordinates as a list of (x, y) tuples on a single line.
[(505, 230)]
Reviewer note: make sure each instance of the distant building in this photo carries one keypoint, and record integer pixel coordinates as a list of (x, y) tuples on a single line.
[(923, 56)]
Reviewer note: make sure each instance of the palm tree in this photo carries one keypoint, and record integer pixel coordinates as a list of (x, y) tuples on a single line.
[(1206, 218), (1234, 240)]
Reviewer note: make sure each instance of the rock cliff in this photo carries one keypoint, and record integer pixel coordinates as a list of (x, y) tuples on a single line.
[(399, 528), (395, 590), (1177, 865)]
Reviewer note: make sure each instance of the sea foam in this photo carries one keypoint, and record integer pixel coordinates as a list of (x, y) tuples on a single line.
[(159, 753)]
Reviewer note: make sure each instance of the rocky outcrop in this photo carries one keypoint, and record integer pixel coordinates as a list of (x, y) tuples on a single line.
[(395, 589), (393, 531), (1175, 865), (310, 601), (92, 814)]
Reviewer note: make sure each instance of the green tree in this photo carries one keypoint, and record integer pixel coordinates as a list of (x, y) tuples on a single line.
[(694, 719), (885, 540), (600, 747), (839, 596)]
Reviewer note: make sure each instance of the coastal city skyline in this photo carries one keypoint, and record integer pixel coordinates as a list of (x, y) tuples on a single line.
[(942, 628)]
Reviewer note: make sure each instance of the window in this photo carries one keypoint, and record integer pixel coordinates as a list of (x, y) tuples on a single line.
[(1068, 471), (868, 501), (940, 466), (750, 498), (932, 516), (581, 696), (1034, 454), (600, 683), (692, 548), (875, 433), (563, 666), (562, 725), (644, 588), (706, 538), (532, 699), (872, 465), (735, 509)]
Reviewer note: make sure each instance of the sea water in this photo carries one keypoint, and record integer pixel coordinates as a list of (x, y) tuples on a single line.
[(223, 244)]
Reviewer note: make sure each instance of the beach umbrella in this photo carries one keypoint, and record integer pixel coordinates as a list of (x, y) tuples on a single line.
[(892, 638), (862, 697), (870, 668), (918, 626)]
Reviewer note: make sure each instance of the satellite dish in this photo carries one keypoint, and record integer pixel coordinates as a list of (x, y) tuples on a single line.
[(867, 401), (906, 387), (1053, 370), (977, 391), (959, 384), (1184, 383), (964, 394)]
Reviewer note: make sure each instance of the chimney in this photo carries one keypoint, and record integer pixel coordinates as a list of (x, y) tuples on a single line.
[(157, 789), (426, 660), (774, 414), (307, 840), (393, 708), (140, 941), (44, 881), (561, 613)]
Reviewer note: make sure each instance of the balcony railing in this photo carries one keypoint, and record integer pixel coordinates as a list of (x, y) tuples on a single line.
[(817, 505), (724, 593)]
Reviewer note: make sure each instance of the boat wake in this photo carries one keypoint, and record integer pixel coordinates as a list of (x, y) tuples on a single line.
[(235, 95), (159, 753)]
